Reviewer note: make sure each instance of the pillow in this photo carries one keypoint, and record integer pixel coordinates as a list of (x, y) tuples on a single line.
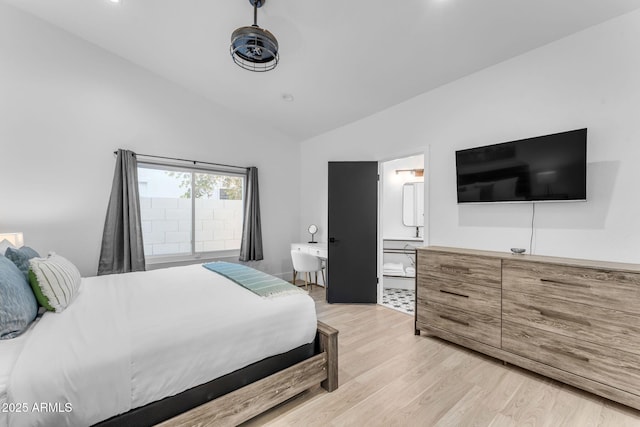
[(18, 306), (21, 257), (4, 245), (55, 281)]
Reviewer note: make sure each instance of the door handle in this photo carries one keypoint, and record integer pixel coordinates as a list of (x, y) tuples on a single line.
[(333, 240)]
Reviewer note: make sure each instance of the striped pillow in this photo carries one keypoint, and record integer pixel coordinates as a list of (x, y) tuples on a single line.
[(54, 280)]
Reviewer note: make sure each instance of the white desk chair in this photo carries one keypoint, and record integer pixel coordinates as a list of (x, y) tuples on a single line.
[(306, 263)]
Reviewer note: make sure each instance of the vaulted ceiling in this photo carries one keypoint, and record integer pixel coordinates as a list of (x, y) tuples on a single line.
[(341, 60)]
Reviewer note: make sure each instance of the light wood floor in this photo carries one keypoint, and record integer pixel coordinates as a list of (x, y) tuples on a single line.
[(389, 377)]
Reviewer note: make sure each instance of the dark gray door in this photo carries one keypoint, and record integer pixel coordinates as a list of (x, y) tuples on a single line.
[(353, 225)]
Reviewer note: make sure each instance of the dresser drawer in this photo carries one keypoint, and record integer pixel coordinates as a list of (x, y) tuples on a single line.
[(484, 271), (479, 327), (461, 295), (604, 364), (598, 325), (617, 290)]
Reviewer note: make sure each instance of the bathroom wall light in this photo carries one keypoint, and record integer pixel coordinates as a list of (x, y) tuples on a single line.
[(414, 172)]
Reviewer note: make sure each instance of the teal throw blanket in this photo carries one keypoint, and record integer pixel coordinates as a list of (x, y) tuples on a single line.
[(262, 284)]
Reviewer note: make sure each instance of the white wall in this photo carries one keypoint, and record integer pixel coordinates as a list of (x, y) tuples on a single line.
[(391, 196), (66, 105), (590, 79)]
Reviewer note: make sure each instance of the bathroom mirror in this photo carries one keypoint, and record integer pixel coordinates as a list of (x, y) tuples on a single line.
[(413, 204)]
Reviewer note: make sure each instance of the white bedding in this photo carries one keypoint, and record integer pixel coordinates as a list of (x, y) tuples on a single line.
[(9, 352), (131, 339)]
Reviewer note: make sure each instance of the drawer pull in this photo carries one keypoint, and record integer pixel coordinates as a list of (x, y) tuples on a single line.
[(451, 319), (565, 353), (562, 316), (453, 293), (454, 269), (577, 285)]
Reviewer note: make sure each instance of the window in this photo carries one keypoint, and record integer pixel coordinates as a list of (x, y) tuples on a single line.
[(190, 213)]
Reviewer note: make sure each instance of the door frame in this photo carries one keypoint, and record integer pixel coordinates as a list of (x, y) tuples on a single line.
[(425, 151)]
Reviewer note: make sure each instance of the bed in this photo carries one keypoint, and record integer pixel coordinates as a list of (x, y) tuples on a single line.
[(135, 345)]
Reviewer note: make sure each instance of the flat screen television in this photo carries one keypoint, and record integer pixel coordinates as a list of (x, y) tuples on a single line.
[(544, 168)]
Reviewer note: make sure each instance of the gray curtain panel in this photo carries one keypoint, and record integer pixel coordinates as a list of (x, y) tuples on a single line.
[(122, 249), (251, 246)]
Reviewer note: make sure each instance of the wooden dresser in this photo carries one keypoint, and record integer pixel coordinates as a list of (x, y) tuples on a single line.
[(576, 321)]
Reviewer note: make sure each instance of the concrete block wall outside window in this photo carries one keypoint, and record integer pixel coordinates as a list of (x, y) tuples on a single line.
[(166, 225)]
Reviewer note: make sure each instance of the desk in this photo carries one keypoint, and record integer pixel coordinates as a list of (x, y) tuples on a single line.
[(318, 249)]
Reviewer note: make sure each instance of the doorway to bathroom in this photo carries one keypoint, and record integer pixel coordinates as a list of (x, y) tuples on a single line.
[(402, 220)]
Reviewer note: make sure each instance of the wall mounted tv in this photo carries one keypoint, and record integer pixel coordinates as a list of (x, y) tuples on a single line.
[(544, 168)]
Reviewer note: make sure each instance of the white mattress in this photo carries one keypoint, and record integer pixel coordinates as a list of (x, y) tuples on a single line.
[(131, 339)]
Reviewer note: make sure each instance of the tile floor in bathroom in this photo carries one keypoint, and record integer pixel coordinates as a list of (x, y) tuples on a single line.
[(399, 299)]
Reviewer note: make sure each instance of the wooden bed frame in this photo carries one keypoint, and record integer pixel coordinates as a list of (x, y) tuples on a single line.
[(255, 398)]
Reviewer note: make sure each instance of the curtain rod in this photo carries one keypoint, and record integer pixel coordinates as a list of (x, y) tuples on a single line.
[(195, 162)]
